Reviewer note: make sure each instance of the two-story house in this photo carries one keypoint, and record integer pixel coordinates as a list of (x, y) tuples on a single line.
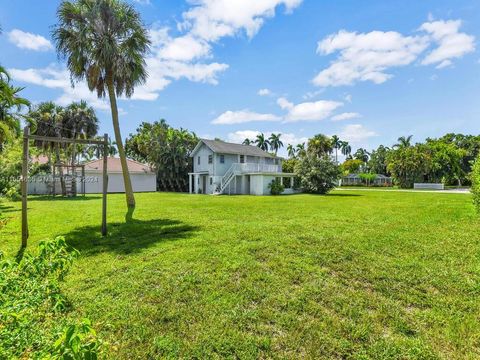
[(220, 167)]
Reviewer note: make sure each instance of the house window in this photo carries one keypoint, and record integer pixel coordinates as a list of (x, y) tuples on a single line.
[(211, 180), (210, 159), (242, 159), (222, 159), (198, 160)]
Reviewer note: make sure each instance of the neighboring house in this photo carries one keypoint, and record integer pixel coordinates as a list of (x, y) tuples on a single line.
[(227, 168), (142, 177), (356, 179)]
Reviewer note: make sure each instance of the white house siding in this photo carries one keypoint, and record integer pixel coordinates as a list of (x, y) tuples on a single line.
[(203, 152), (259, 184), (229, 160), (140, 182)]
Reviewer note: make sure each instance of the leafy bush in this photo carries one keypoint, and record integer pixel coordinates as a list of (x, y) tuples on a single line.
[(276, 187), (475, 177), (367, 178), (31, 307), (317, 174)]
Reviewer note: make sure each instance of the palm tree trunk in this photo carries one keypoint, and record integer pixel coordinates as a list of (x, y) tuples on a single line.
[(118, 139)]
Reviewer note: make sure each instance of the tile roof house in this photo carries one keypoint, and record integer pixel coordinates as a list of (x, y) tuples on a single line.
[(142, 176)]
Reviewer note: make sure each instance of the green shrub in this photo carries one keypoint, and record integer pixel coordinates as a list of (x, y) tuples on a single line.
[(32, 307), (475, 177), (276, 187), (317, 175)]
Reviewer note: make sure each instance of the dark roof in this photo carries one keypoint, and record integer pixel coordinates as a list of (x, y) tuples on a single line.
[(223, 147)]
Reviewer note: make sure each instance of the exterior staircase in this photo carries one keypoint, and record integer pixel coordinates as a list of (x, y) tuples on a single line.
[(226, 179)]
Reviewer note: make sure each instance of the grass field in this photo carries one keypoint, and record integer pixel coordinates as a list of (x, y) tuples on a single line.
[(355, 274)]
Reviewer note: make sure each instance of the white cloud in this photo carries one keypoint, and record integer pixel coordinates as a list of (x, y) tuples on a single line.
[(264, 92), (368, 56), (346, 116), (451, 43), (55, 78), (284, 103), (213, 19), (312, 94), (29, 41), (348, 98), (243, 116), (308, 111), (356, 133)]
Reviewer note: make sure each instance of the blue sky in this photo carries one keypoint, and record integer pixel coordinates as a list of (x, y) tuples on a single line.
[(366, 71)]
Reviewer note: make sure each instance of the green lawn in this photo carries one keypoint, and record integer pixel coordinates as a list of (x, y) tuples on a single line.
[(356, 274)]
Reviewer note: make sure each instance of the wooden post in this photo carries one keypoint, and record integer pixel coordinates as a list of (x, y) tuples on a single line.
[(26, 133), (105, 185)]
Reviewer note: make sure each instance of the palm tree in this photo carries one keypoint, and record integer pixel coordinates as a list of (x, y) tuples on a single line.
[(301, 149), (336, 142), (404, 141), (346, 148), (48, 119), (104, 42), (261, 142), (362, 154), (275, 142), (247, 141), (79, 122), (320, 145), (291, 151), (10, 106)]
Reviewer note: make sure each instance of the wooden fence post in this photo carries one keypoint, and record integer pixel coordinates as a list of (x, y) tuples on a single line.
[(26, 133), (105, 185)]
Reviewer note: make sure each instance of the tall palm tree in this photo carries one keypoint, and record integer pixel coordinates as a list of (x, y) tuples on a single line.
[(404, 141), (261, 142), (275, 142), (247, 141), (336, 142), (291, 151), (104, 42), (346, 148)]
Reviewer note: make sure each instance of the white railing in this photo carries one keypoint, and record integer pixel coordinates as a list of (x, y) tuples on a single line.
[(246, 168)]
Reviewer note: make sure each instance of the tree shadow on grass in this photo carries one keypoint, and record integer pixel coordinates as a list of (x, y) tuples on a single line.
[(129, 237), (7, 208), (61, 198)]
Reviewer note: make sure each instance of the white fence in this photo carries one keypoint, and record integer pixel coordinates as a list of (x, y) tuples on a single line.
[(430, 186)]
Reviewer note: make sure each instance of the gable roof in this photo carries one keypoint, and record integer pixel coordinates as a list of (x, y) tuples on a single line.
[(222, 147), (114, 165)]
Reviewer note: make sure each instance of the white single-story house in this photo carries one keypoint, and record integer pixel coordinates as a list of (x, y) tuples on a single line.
[(220, 167), (142, 176)]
